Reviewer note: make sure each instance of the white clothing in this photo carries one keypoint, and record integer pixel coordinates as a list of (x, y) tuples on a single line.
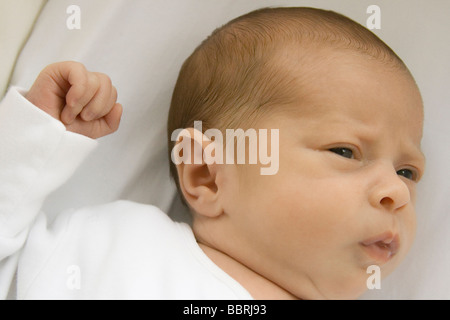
[(121, 250)]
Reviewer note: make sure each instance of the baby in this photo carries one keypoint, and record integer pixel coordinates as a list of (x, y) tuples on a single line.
[(349, 117)]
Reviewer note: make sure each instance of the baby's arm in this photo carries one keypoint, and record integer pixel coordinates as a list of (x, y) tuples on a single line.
[(38, 151)]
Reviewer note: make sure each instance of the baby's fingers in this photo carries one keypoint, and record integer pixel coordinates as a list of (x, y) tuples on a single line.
[(103, 101), (84, 86)]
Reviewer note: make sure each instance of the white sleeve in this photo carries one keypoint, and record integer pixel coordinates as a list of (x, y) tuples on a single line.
[(37, 155)]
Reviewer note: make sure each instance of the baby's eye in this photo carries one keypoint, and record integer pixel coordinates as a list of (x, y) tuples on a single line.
[(408, 174), (344, 152)]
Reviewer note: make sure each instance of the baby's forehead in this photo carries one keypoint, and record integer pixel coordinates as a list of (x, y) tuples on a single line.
[(314, 68), (316, 57), (347, 84)]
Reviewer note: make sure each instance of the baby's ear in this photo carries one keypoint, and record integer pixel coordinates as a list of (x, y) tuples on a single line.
[(197, 178)]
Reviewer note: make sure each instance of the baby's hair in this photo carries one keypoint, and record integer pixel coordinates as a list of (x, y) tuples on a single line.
[(235, 75)]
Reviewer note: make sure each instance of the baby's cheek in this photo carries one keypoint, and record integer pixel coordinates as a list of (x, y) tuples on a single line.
[(413, 195), (408, 226), (411, 224)]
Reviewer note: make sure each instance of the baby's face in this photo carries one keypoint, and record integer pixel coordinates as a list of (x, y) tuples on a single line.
[(344, 196)]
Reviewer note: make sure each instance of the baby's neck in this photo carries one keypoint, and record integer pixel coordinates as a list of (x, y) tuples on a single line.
[(259, 287)]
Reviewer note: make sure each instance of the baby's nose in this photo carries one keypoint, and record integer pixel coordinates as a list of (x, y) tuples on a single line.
[(389, 192)]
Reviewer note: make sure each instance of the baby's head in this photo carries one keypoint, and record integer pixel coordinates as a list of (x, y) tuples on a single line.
[(349, 117)]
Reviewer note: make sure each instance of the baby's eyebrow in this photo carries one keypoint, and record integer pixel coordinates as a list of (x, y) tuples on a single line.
[(416, 154), (411, 150)]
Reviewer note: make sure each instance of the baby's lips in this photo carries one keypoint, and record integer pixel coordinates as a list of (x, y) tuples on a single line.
[(382, 247)]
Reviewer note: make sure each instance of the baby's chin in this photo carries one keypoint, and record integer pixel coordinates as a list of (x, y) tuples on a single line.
[(353, 289), (346, 292), (347, 283), (336, 287)]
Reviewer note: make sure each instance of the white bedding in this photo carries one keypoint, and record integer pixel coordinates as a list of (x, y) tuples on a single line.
[(141, 45)]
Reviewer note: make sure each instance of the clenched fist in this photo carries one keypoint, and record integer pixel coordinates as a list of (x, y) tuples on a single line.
[(84, 101)]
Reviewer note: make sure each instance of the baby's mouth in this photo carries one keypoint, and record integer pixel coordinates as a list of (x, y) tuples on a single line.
[(382, 247)]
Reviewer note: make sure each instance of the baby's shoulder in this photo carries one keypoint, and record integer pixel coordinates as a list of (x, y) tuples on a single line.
[(122, 210), (122, 219)]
